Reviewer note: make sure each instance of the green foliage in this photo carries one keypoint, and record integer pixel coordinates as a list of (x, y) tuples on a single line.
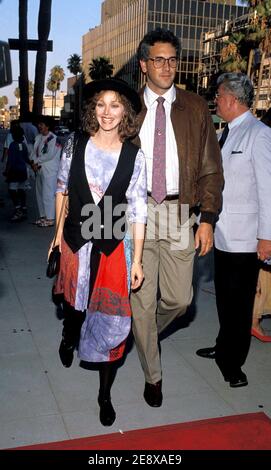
[(74, 64), (53, 83), (236, 38), (100, 68), (30, 90), (236, 51), (234, 65), (3, 101)]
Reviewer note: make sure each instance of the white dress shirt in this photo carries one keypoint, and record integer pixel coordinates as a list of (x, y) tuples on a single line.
[(147, 139)]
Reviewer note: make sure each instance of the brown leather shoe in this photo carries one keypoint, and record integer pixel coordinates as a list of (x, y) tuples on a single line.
[(153, 394)]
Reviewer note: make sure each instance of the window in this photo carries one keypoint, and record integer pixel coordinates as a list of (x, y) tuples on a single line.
[(192, 33), (165, 5), (158, 4), (187, 7), (213, 11), (207, 9), (172, 6), (193, 8)]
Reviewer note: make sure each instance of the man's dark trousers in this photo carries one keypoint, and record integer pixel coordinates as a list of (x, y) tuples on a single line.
[(236, 277)]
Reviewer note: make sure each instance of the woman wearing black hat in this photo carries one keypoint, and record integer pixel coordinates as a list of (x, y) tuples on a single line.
[(104, 174)]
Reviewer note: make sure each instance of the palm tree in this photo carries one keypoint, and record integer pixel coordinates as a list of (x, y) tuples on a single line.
[(44, 24), (3, 102), (23, 58), (53, 84), (100, 68), (17, 92), (74, 64), (52, 87)]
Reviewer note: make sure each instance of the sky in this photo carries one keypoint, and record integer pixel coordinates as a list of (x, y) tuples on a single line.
[(70, 20)]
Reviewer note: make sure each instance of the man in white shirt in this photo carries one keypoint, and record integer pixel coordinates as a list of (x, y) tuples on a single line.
[(184, 172), (243, 232)]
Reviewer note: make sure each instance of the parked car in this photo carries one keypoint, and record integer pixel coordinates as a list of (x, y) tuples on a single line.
[(61, 130)]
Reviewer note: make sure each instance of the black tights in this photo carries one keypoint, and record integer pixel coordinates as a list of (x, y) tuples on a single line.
[(72, 323), (73, 320), (107, 372)]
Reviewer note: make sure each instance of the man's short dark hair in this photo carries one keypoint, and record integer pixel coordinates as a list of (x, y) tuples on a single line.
[(152, 37)]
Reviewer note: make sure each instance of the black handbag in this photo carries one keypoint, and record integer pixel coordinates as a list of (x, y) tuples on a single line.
[(53, 265), (53, 262)]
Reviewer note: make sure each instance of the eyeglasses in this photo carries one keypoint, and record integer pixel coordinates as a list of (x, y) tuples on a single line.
[(218, 95), (159, 62)]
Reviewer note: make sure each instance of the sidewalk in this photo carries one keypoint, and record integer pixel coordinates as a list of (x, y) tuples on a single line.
[(41, 401)]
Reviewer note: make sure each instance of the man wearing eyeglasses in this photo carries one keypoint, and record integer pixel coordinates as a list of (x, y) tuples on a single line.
[(184, 172)]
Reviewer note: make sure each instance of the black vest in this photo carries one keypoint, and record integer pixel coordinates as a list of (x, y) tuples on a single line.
[(78, 225)]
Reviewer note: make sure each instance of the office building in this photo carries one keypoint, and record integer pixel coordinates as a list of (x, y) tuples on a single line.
[(124, 23)]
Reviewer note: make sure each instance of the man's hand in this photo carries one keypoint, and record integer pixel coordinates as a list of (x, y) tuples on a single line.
[(204, 238), (264, 249), (137, 275)]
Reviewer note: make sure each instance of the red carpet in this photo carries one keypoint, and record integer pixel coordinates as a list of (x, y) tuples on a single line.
[(240, 432)]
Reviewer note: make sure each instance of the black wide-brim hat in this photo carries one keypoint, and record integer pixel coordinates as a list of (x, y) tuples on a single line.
[(113, 84)]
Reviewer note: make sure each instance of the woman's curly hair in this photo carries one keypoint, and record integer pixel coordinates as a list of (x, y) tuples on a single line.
[(128, 127)]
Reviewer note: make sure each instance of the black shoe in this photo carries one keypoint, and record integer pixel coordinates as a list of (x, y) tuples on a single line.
[(66, 354), (107, 412), (237, 380), (207, 353), (153, 394), (18, 216)]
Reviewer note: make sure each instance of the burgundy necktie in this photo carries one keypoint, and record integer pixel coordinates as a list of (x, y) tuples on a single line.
[(159, 190)]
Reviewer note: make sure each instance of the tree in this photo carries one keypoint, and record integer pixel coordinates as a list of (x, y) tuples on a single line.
[(74, 64), (44, 25), (3, 102), (52, 87), (258, 39), (53, 84), (100, 68), (246, 50), (23, 58), (232, 59), (30, 90)]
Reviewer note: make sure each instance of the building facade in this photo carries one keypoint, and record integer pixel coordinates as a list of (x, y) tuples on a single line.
[(125, 22), (257, 67), (53, 107)]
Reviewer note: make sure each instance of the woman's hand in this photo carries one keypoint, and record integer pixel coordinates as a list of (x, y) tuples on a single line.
[(137, 275), (54, 243)]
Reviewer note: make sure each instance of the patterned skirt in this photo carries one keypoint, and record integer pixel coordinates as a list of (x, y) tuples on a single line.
[(108, 316)]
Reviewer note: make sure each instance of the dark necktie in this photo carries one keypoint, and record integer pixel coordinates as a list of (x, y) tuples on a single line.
[(224, 136), (159, 191)]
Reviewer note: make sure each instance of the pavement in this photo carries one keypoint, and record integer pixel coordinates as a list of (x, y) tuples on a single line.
[(41, 401)]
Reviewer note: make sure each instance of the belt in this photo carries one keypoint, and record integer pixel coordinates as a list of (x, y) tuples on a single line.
[(170, 197)]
